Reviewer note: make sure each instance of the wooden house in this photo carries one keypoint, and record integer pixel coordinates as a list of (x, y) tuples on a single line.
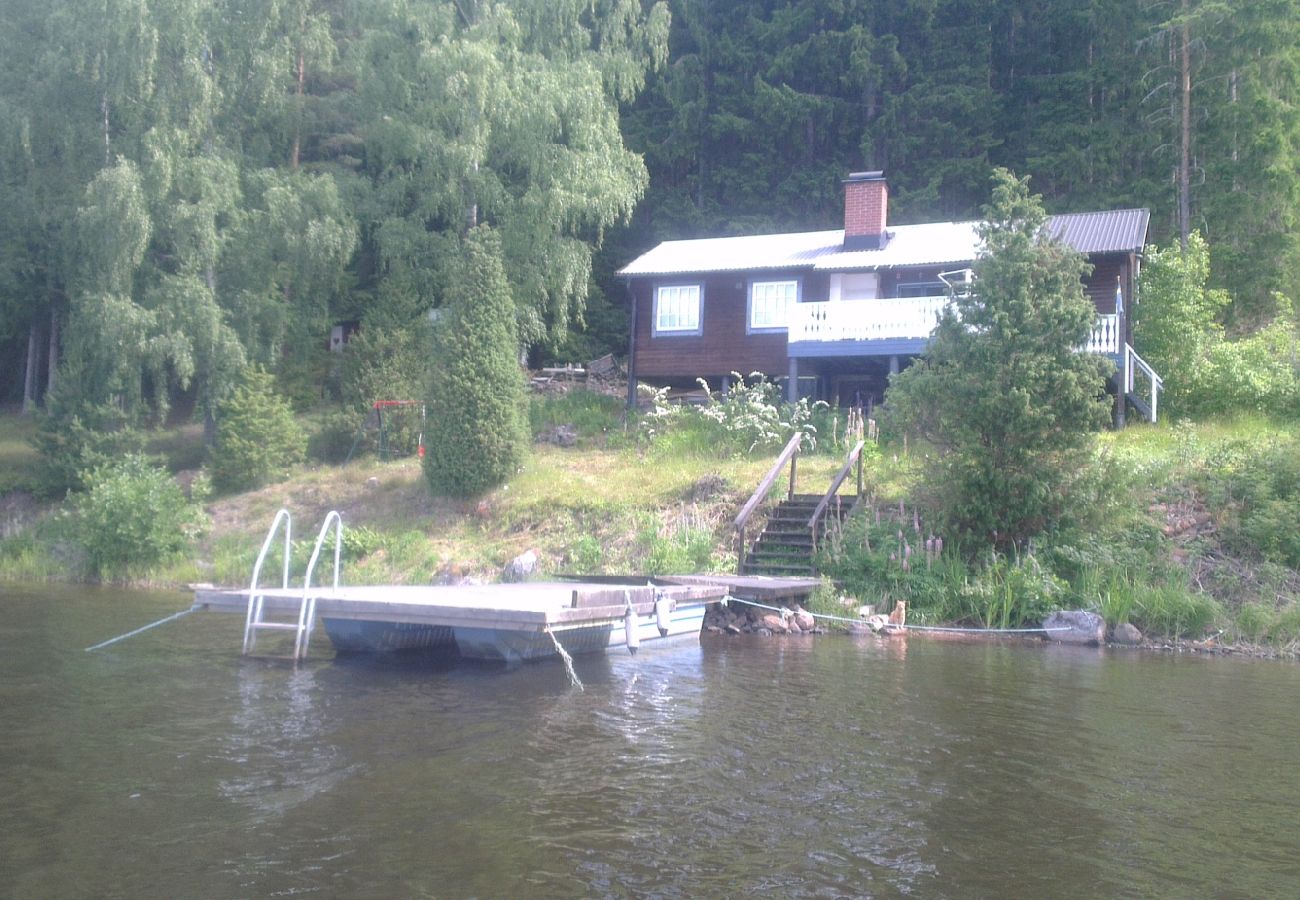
[(833, 313)]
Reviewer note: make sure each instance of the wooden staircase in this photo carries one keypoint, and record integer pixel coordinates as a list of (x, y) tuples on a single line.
[(797, 524), (786, 545)]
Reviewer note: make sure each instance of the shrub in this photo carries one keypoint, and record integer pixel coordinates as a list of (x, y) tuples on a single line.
[(133, 516), (258, 439), (74, 437), (478, 429)]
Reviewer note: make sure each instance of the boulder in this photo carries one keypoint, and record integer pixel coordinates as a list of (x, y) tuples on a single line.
[(1078, 627), (774, 623), (804, 620), (1128, 634)]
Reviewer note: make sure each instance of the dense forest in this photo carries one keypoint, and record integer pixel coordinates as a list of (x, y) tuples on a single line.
[(193, 186)]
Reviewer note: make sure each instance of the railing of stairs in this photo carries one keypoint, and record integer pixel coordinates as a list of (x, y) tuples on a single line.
[(1134, 364), (789, 455), (832, 493)]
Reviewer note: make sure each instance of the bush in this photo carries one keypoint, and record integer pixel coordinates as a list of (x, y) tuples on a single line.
[(749, 417), (75, 437), (132, 517), (258, 439)]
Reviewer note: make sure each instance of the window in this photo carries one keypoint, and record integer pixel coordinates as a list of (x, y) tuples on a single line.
[(677, 309), (922, 289), (769, 304)]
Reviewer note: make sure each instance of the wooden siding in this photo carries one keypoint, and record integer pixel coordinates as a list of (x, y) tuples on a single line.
[(722, 347), (725, 346)]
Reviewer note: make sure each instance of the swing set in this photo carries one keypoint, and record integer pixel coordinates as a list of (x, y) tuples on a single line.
[(386, 417)]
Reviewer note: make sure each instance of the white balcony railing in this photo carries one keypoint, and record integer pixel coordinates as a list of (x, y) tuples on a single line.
[(905, 318), (865, 320)]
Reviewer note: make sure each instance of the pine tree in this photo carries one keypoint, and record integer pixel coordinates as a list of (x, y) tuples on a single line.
[(1003, 392), (477, 428)]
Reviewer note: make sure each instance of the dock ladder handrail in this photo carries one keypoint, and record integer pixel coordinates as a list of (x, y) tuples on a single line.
[(253, 620), (307, 611)]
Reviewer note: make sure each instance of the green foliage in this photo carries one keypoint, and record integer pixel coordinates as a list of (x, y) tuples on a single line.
[(334, 436), (590, 414), (1259, 487), (258, 439), (387, 362), (1177, 325), (1206, 373), (1174, 611), (682, 546), (749, 417), (132, 516), (1003, 393), (478, 431), (75, 437)]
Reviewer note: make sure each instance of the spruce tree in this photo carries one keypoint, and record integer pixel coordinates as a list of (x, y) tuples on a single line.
[(477, 428), (1003, 391)]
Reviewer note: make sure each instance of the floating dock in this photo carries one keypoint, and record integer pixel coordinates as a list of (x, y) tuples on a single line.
[(498, 622), (508, 622)]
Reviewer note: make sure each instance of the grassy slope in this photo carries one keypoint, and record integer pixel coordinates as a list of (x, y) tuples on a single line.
[(594, 510)]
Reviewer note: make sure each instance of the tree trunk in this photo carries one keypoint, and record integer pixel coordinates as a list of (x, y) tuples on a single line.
[(1185, 133), (29, 380), (52, 360)]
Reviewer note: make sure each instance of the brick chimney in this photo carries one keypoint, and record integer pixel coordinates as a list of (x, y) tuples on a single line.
[(866, 201)]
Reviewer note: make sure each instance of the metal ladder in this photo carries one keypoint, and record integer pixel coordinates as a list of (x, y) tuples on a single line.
[(256, 620)]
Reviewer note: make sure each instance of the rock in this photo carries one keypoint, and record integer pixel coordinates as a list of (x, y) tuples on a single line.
[(713, 629), (732, 629), (1127, 633), (774, 623), (521, 567), (763, 632), (1081, 627), (804, 620)]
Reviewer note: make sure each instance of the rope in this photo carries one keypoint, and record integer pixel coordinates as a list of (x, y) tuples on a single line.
[(568, 661), (122, 637), (830, 618)]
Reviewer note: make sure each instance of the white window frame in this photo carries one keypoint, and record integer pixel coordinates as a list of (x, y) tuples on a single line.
[(673, 316), (793, 285)]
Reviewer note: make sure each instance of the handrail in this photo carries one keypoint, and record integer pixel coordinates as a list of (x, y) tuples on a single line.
[(307, 612), (254, 598), (854, 456), (790, 454), (1131, 361)]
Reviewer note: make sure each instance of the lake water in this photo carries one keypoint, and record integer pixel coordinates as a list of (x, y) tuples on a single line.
[(168, 766)]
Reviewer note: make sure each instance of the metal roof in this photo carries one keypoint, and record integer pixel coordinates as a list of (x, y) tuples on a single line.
[(1112, 231), (934, 244)]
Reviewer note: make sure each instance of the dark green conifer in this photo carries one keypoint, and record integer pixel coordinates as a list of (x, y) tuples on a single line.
[(1003, 392), (477, 432)]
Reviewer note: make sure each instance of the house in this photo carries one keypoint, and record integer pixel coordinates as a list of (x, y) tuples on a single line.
[(834, 313)]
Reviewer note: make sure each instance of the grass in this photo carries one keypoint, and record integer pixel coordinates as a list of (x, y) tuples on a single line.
[(18, 458)]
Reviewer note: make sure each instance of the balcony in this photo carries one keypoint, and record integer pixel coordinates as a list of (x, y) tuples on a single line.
[(897, 325)]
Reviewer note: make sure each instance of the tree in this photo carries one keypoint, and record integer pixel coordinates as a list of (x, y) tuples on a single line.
[(1003, 392), (478, 426), (1178, 327), (258, 439)]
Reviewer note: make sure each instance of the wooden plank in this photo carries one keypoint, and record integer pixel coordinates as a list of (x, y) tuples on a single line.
[(588, 598)]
